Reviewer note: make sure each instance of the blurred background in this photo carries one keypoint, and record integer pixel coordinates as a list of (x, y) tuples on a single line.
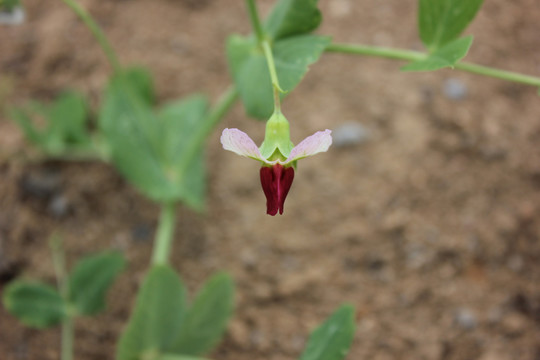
[(424, 214)]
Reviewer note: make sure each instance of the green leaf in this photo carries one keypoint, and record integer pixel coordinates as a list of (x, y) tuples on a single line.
[(90, 280), (157, 317), (22, 119), (132, 132), (160, 153), (66, 124), (179, 357), (68, 120), (332, 340), (207, 317), (182, 122), (442, 21), (8, 5), (293, 17), (141, 82), (292, 57), (35, 304), (447, 56)]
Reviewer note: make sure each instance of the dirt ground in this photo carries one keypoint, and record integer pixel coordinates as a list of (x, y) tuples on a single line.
[(429, 225)]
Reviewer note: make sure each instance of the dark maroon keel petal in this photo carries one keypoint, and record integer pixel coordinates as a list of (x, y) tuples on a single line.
[(267, 182), (286, 179), (276, 182)]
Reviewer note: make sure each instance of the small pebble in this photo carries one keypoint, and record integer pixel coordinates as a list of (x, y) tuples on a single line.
[(59, 206), (455, 89), (514, 324), (42, 184), (14, 17), (350, 134), (515, 263), (495, 315), (465, 318), (141, 233)]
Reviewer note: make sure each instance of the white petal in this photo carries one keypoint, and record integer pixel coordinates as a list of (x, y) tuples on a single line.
[(314, 144), (240, 143)]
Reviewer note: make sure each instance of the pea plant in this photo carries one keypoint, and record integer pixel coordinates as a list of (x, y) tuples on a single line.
[(159, 148)]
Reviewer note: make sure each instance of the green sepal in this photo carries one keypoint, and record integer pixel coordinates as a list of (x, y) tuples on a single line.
[(277, 143)]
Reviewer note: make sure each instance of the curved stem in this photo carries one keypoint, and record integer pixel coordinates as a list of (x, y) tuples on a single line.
[(398, 54), (218, 111), (164, 235), (96, 31)]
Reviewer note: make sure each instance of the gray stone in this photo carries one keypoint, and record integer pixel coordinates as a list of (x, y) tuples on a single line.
[(465, 318), (41, 184), (59, 206), (455, 89), (350, 134), (13, 17)]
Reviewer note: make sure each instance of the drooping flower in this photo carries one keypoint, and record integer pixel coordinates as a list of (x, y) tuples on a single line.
[(278, 156)]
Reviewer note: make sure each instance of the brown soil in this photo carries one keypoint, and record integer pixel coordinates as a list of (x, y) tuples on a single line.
[(430, 228)]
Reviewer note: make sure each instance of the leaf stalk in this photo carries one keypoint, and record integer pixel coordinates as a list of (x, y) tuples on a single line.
[(408, 55)]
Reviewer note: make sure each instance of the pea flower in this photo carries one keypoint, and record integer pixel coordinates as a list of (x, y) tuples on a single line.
[(278, 156)]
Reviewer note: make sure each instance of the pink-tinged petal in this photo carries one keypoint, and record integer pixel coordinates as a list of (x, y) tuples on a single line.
[(276, 182), (240, 143), (314, 144)]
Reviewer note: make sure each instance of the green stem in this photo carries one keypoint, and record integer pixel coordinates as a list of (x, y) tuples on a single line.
[(375, 51), (67, 338), (59, 261), (164, 235), (407, 55), (264, 43), (218, 111), (273, 74), (255, 20), (96, 31), (499, 74)]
